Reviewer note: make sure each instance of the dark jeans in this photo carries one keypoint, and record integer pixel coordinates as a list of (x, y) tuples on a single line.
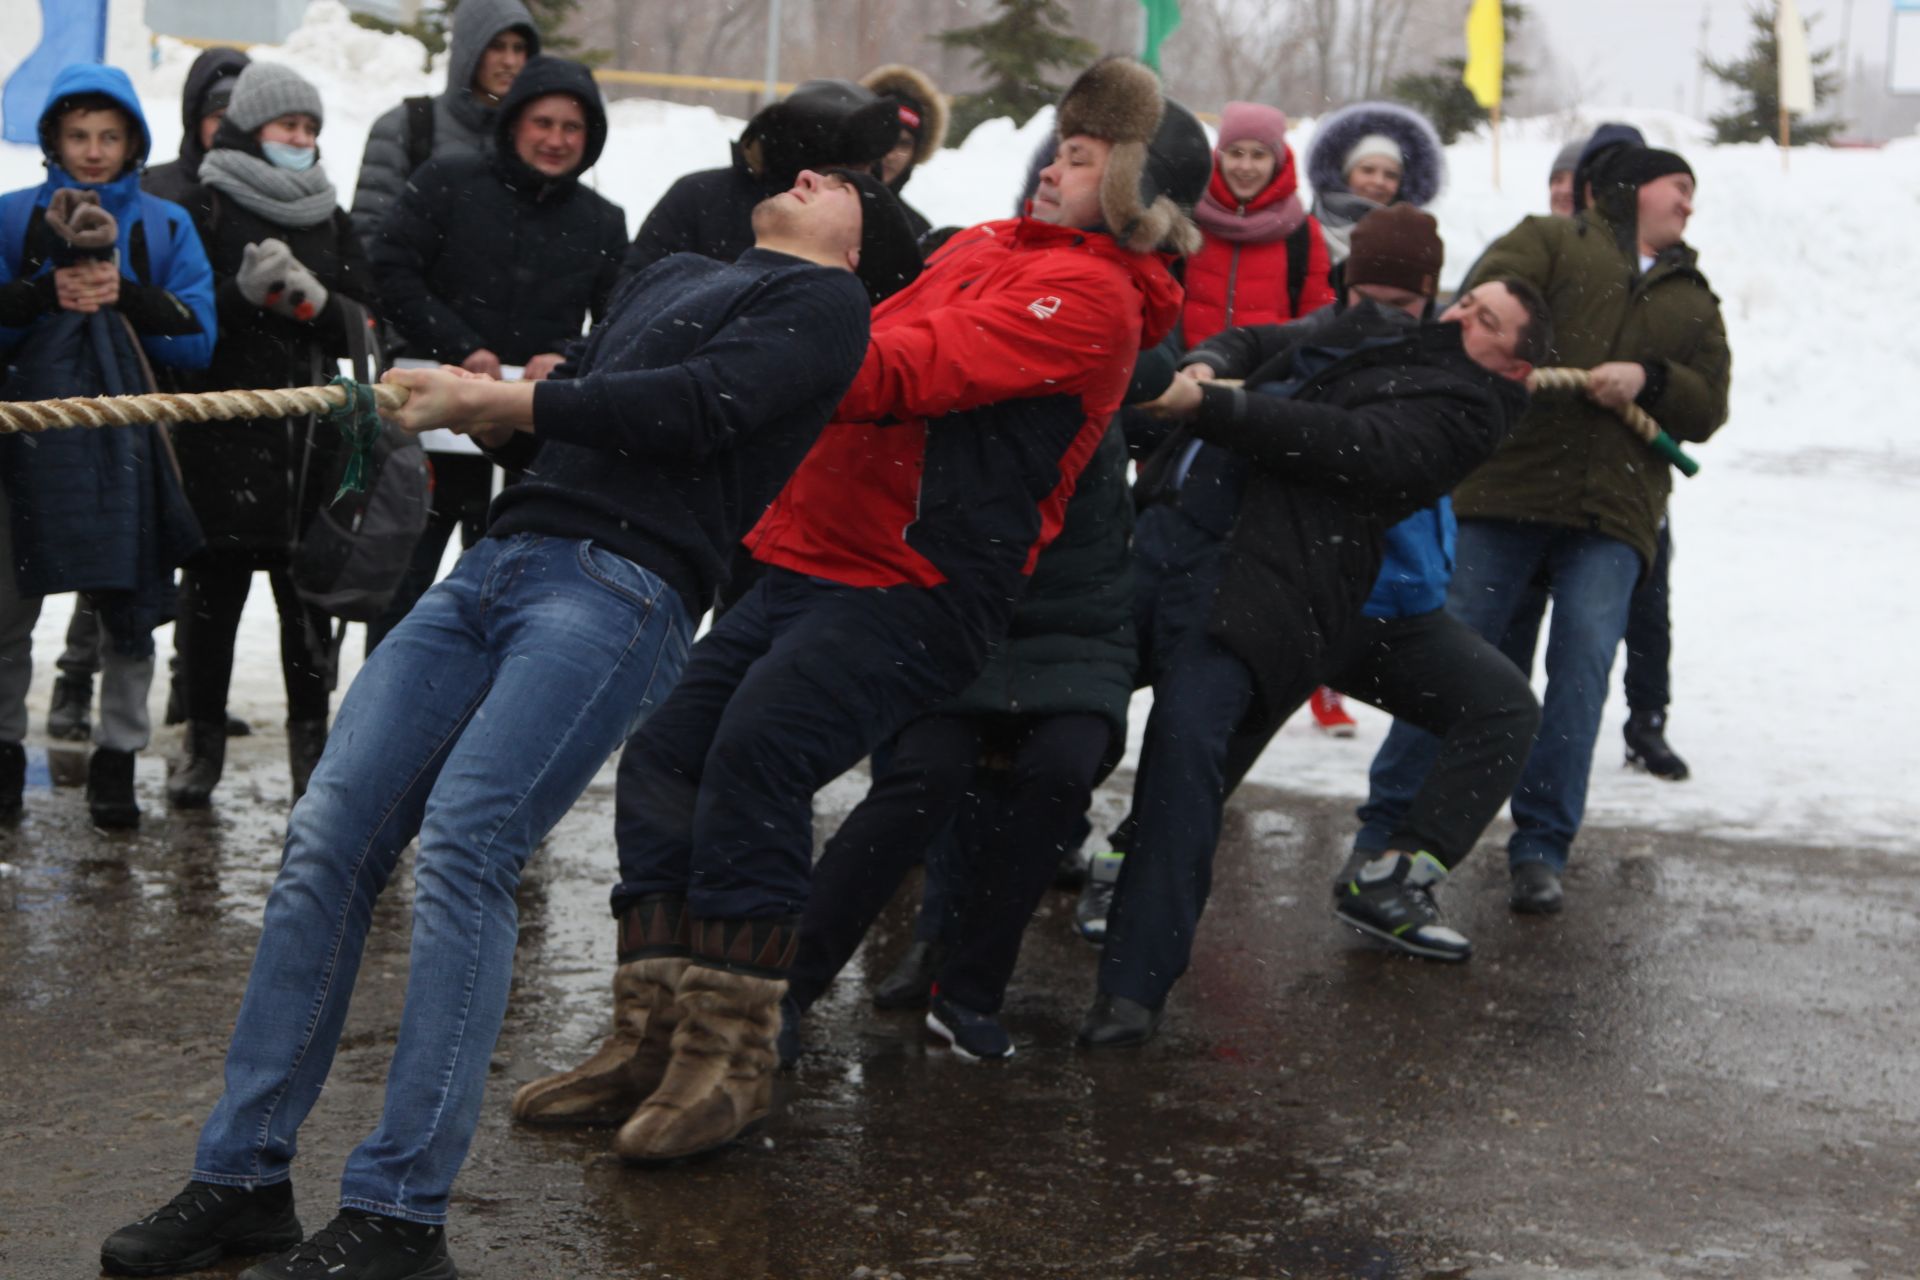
[(1591, 578), (462, 491), (798, 682), (213, 593), (933, 767), (1649, 678)]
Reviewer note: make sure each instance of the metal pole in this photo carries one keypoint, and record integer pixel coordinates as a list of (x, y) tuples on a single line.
[(773, 50)]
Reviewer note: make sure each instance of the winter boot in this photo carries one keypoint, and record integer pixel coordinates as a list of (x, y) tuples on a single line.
[(13, 780), (1535, 890), (110, 799), (1115, 1022), (1646, 734), (719, 1081), (629, 1063), (1330, 713), (306, 740), (1391, 899), (70, 717), (191, 779), (201, 1225)]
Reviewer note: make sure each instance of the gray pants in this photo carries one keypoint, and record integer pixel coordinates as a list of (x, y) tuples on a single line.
[(123, 724)]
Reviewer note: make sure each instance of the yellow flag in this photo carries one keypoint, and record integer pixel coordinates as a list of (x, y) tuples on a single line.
[(1486, 52)]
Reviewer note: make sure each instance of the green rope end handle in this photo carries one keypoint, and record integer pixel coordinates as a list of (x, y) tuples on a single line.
[(1669, 448), (358, 418)]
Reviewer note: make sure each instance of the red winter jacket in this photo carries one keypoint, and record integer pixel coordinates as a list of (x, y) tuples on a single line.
[(987, 385), (1233, 283)]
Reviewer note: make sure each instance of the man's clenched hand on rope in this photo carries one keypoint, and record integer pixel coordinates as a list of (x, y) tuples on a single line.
[(463, 402)]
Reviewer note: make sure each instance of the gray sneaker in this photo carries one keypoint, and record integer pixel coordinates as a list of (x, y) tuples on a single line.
[(1391, 899)]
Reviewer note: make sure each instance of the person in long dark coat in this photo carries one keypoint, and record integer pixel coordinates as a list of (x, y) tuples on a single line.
[(286, 268)]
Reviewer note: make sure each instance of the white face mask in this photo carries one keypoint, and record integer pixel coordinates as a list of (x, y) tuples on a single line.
[(284, 155)]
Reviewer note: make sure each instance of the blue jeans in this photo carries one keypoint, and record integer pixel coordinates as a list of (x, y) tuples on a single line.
[(1590, 578), (476, 724)]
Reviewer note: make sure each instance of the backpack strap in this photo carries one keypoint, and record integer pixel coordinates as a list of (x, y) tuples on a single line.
[(1299, 249), (419, 132)]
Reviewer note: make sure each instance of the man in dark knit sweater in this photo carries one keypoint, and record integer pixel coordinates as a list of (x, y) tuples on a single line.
[(482, 717)]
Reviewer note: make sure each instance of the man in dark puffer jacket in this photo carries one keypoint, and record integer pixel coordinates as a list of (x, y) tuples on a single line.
[(1341, 436), (496, 259)]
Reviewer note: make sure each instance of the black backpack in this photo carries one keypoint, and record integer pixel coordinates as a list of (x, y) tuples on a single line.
[(352, 555)]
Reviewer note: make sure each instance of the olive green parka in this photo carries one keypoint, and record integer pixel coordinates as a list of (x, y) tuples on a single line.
[(1571, 462)]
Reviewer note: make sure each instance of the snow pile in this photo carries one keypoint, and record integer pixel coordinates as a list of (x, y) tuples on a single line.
[(1791, 584)]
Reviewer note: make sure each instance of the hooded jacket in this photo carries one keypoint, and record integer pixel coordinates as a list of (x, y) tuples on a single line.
[(1423, 171), (987, 385), (486, 251), (99, 511), (166, 288), (1363, 422), (1572, 462), (175, 179), (462, 124)]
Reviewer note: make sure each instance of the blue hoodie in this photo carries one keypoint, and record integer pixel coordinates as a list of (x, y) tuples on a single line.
[(1416, 564), (175, 259)]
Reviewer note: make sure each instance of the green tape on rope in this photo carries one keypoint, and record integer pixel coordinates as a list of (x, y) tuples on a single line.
[(1669, 448), (359, 422)]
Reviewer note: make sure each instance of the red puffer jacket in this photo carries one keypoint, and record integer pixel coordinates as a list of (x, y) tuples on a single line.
[(986, 387), (1244, 282)]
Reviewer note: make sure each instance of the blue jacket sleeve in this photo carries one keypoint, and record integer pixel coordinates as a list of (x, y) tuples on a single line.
[(189, 277)]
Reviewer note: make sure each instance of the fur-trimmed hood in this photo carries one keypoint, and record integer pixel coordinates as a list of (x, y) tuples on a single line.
[(1161, 159), (917, 89), (1424, 173)]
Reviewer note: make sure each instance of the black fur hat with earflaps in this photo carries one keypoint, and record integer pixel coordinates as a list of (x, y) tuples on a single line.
[(1161, 160)]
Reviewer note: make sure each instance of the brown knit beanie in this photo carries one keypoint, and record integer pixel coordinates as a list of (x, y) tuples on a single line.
[(1397, 246)]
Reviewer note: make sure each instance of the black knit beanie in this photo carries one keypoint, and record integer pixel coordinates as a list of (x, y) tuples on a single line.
[(889, 254), (1635, 167)]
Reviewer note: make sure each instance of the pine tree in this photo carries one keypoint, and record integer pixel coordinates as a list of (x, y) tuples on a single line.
[(1443, 98), (1755, 80), (1014, 51)]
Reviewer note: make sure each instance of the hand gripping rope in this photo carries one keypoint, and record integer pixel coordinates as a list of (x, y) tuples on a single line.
[(1636, 419), (1632, 415), (352, 406)]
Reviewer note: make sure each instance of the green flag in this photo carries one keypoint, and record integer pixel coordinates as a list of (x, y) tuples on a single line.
[(1162, 17)]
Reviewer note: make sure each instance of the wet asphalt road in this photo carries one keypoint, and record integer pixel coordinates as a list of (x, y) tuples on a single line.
[(1707, 1067)]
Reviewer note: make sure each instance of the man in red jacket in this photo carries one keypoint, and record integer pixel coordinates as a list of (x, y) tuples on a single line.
[(894, 556)]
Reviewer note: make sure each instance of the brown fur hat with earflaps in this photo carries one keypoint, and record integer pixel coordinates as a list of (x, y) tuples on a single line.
[(913, 89), (1161, 160)]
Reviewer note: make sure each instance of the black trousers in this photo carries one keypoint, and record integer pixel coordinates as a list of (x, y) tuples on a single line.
[(212, 594), (936, 765)]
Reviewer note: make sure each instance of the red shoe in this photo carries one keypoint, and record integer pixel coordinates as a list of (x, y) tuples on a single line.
[(1329, 714)]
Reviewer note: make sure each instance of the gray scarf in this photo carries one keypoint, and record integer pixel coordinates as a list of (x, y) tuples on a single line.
[(1339, 212), (294, 200)]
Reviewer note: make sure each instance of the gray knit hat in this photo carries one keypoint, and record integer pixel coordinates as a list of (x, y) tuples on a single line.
[(1567, 158), (266, 91)]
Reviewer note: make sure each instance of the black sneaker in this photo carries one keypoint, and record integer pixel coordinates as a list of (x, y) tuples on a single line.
[(201, 1225), (910, 985), (1096, 896), (363, 1246), (1391, 899), (1646, 734), (975, 1036), (1535, 890)]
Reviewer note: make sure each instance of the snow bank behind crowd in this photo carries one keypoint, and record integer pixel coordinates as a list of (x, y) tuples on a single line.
[(1791, 583)]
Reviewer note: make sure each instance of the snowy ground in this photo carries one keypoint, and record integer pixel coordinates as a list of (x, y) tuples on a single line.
[(1792, 578)]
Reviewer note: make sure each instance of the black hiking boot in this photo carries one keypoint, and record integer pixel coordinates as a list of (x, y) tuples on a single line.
[(1646, 734), (1391, 899), (1535, 890), (910, 985), (110, 799), (69, 719), (191, 780), (201, 1225), (363, 1246)]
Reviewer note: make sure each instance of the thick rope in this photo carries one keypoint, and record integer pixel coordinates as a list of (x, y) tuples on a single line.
[(1637, 420), (203, 406)]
